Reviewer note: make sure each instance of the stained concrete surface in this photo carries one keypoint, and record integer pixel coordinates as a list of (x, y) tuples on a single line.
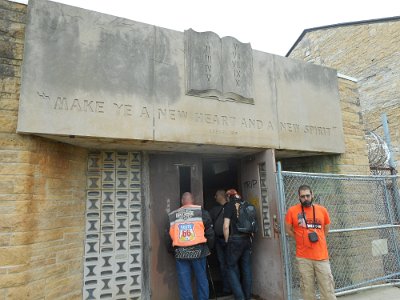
[(386, 293), (87, 74)]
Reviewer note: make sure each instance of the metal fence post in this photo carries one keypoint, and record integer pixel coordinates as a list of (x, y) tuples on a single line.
[(282, 209)]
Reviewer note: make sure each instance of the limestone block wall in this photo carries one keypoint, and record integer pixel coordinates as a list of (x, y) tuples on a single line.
[(42, 191), (372, 120), (370, 53), (355, 158)]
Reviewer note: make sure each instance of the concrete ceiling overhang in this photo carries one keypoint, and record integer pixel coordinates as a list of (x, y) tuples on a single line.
[(156, 146)]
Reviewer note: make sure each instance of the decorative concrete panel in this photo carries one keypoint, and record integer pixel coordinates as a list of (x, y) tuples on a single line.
[(112, 264)]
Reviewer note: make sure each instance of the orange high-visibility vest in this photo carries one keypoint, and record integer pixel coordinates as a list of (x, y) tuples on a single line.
[(186, 226)]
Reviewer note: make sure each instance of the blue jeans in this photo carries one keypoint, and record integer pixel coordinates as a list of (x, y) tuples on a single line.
[(184, 269), (239, 253), (220, 248)]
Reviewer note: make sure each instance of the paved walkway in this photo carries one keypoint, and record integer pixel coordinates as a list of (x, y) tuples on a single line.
[(382, 293)]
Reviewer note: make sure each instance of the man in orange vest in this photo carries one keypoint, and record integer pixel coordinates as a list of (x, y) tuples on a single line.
[(192, 235), (309, 224)]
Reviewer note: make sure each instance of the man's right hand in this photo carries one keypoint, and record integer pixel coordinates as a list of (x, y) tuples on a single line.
[(289, 230)]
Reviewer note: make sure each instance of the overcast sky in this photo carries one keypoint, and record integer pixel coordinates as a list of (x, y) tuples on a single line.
[(270, 26)]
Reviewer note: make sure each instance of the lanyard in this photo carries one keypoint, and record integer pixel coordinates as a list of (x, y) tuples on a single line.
[(304, 216)]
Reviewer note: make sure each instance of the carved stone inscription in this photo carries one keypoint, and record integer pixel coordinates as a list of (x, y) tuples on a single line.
[(204, 78), (307, 129), (62, 103), (218, 68), (216, 123), (237, 71), (226, 124)]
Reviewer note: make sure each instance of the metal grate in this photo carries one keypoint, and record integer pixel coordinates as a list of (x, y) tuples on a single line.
[(364, 244), (112, 263)]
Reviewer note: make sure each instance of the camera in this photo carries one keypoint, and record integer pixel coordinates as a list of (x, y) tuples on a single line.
[(313, 237)]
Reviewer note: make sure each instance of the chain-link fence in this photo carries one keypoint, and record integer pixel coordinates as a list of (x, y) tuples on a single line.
[(364, 239)]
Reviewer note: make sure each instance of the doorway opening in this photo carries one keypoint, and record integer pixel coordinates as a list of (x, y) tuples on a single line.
[(185, 180), (218, 174)]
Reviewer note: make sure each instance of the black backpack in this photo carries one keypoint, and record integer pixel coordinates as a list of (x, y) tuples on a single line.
[(247, 219)]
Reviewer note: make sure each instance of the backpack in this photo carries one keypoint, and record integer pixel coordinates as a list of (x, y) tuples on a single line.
[(246, 220)]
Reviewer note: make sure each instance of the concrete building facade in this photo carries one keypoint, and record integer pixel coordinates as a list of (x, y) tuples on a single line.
[(95, 151)]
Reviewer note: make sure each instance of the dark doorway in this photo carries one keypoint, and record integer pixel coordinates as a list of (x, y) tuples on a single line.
[(170, 175), (218, 174), (185, 180)]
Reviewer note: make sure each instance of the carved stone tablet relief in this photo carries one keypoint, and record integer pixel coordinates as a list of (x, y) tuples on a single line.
[(237, 70), (218, 68), (203, 60)]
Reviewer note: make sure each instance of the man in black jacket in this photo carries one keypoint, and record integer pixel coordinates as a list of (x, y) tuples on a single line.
[(238, 250), (217, 215)]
